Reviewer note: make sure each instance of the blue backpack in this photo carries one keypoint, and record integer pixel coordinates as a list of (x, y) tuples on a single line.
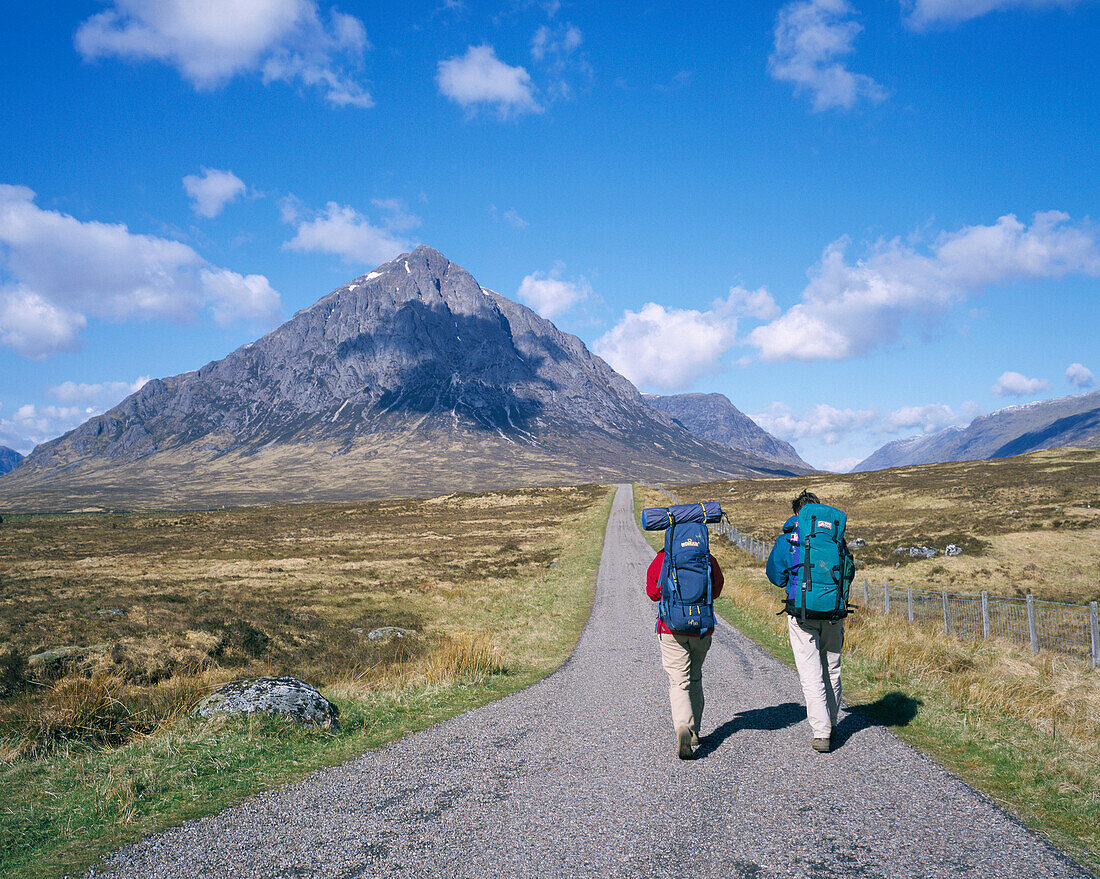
[(822, 568), (686, 605)]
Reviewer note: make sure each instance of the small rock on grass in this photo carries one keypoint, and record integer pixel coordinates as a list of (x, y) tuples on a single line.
[(388, 633), (284, 696)]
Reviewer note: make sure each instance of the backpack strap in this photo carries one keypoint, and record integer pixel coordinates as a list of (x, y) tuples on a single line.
[(806, 563)]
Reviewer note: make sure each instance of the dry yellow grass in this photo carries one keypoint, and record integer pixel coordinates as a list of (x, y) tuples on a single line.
[(153, 611)]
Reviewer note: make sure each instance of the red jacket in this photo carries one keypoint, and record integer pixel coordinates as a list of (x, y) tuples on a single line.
[(653, 586)]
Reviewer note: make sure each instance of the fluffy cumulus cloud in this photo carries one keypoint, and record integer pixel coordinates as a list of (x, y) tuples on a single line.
[(555, 43), (210, 42), (849, 308), (30, 425), (823, 422), (479, 79), (669, 348), (550, 295), (101, 395), (928, 418), (928, 13), (343, 231), (1014, 384), (1079, 375), (56, 271), (212, 191), (810, 37)]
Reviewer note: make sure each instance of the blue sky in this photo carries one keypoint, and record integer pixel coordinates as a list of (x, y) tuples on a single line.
[(858, 221)]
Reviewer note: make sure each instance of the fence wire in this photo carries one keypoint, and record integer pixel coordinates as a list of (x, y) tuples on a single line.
[(1069, 629)]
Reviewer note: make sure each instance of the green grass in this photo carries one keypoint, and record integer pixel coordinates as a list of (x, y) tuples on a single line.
[(72, 803)]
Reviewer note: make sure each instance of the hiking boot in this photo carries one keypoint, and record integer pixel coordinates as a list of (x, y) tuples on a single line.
[(695, 740), (683, 742), (822, 745)]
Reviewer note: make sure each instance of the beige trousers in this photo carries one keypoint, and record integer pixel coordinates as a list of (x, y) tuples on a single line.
[(816, 645), (682, 656)]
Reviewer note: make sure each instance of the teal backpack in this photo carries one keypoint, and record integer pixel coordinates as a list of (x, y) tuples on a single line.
[(822, 568)]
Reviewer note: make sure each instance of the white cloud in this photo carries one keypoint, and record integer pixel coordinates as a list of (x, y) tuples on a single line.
[(1079, 375), (555, 44), (343, 231), (480, 78), (395, 215), (928, 13), (211, 42), (514, 219), (844, 465), (549, 295), (669, 349), (60, 270), (213, 190), (823, 422), (929, 418), (1013, 384), (850, 309), (101, 396), (31, 425), (34, 327), (809, 36)]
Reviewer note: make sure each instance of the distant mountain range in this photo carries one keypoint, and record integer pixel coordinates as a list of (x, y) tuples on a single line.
[(9, 459), (1048, 424), (714, 417), (409, 380)]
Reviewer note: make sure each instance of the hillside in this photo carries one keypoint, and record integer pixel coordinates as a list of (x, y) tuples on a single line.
[(713, 417), (1048, 424)]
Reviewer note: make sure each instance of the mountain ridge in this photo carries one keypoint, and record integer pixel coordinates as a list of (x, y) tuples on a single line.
[(1013, 430), (715, 418), (413, 372)]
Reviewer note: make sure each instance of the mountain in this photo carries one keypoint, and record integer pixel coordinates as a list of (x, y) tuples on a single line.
[(409, 380), (713, 417), (1048, 424), (9, 459)]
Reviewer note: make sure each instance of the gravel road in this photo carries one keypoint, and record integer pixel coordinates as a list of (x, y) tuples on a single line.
[(576, 776)]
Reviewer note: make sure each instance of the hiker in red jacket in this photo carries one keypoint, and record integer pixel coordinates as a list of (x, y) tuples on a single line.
[(682, 656)]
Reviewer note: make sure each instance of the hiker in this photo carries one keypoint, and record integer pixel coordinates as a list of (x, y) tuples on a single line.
[(810, 560), (682, 655)]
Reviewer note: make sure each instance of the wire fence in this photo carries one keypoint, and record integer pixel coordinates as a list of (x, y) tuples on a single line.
[(1069, 629)]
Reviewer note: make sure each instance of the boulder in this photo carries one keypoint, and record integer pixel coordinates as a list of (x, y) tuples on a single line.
[(952, 549), (50, 665), (285, 696), (921, 552)]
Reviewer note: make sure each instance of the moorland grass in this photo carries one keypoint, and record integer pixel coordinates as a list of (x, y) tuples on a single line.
[(1024, 729), (108, 752)]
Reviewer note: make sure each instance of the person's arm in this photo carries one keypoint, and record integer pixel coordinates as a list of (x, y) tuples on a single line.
[(717, 580), (653, 577), (778, 568)]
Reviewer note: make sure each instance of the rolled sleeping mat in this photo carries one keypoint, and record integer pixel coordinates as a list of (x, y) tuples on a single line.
[(660, 518)]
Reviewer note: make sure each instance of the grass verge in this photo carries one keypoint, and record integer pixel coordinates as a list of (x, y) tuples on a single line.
[(1023, 729), (67, 804)]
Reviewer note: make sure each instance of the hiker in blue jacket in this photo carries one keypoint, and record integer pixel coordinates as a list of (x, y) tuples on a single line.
[(816, 643)]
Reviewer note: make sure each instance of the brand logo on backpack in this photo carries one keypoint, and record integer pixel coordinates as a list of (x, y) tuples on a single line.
[(691, 543)]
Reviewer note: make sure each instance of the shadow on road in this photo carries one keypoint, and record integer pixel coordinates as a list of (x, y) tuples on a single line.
[(771, 718), (893, 709)]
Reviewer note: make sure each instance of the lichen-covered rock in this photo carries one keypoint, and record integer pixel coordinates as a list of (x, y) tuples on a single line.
[(922, 552), (57, 662), (952, 549), (389, 633), (284, 696)]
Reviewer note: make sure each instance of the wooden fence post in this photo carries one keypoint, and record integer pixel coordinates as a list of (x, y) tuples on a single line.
[(946, 618), (1031, 630), (909, 595), (985, 614), (886, 598), (866, 594)]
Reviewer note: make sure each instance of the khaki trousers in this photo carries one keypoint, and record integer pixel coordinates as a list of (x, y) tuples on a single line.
[(816, 645), (682, 656)]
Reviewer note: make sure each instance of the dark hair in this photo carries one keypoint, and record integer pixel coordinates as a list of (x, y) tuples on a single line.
[(807, 497)]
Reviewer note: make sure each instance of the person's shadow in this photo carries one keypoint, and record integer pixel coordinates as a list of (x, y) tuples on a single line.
[(771, 718), (892, 709)]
